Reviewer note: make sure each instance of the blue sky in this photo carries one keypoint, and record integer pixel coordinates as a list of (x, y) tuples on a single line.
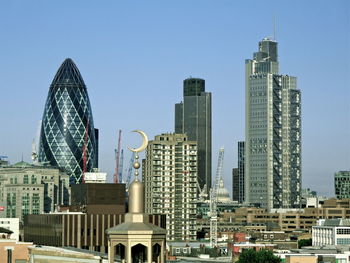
[(134, 55)]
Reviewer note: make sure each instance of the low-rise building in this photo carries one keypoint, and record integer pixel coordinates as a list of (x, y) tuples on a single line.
[(11, 224), (329, 254), (290, 220), (48, 254), (14, 251), (331, 232), (95, 177), (32, 189)]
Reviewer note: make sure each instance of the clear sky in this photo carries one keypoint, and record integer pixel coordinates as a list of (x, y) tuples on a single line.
[(134, 55)]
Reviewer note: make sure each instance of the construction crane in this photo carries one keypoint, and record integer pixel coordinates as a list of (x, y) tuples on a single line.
[(121, 162), (213, 201), (117, 158), (129, 171)]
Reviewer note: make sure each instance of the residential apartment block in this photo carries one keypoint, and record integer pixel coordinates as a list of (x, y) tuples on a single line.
[(170, 178)]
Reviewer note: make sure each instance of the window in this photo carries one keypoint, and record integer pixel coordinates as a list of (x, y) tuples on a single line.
[(343, 241), (25, 179)]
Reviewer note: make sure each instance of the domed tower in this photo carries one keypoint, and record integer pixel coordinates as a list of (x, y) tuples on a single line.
[(68, 138), (223, 195)]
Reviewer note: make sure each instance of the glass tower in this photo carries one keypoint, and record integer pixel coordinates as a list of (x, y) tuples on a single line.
[(342, 184), (273, 132), (68, 138), (193, 117)]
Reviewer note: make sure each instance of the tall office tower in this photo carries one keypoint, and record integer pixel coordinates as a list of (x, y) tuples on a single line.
[(193, 117), (238, 176), (68, 138), (235, 191), (342, 184), (273, 132), (170, 178)]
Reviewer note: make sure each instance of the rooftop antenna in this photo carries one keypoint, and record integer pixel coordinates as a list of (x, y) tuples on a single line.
[(274, 27)]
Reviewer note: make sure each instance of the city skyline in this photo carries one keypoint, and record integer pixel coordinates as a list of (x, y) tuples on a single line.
[(121, 73)]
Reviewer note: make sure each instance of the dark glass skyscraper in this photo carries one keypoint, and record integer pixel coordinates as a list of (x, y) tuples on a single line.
[(193, 117), (67, 134), (238, 176)]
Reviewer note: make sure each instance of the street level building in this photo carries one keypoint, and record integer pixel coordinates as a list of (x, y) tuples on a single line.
[(11, 224), (331, 232), (68, 138), (342, 184), (193, 118), (273, 132), (170, 178), (98, 198), (32, 189), (3, 161), (75, 229)]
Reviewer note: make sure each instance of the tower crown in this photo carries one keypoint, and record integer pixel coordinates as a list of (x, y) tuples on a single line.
[(68, 74)]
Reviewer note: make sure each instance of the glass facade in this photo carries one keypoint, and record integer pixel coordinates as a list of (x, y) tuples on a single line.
[(193, 117), (273, 132), (342, 184), (67, 125)]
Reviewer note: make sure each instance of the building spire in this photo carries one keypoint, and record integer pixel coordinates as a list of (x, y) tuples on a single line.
[(136, 199)]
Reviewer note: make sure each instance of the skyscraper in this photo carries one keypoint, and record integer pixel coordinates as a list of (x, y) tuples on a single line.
[(273, 132), (238, 176), (193, 117), (342, 184), (170, 178), (68, 138)]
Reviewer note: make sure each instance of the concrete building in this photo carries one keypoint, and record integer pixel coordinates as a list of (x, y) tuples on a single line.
[(14, 251), (329, 254), (95, 177), (290, 219), (331, 232), (3, 161), (32, 189), (273, 132), (342, 184), (170, 177), (98, 198), (47, 254), (193, 117)]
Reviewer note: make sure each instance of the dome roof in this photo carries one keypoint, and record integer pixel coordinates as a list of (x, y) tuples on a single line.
[(222, 194)]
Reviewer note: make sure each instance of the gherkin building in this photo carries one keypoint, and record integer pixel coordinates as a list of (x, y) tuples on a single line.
[(68, 138)]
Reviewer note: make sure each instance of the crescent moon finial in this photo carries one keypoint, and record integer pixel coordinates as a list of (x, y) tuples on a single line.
[(144, 142)]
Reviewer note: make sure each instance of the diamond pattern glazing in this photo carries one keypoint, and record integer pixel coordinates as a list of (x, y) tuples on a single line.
[(67, 116)]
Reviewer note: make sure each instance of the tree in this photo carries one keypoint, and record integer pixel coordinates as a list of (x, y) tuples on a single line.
[(262, 256), (304, 242)]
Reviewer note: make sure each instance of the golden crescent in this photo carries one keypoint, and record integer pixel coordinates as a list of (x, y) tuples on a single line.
[(144, 142)]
